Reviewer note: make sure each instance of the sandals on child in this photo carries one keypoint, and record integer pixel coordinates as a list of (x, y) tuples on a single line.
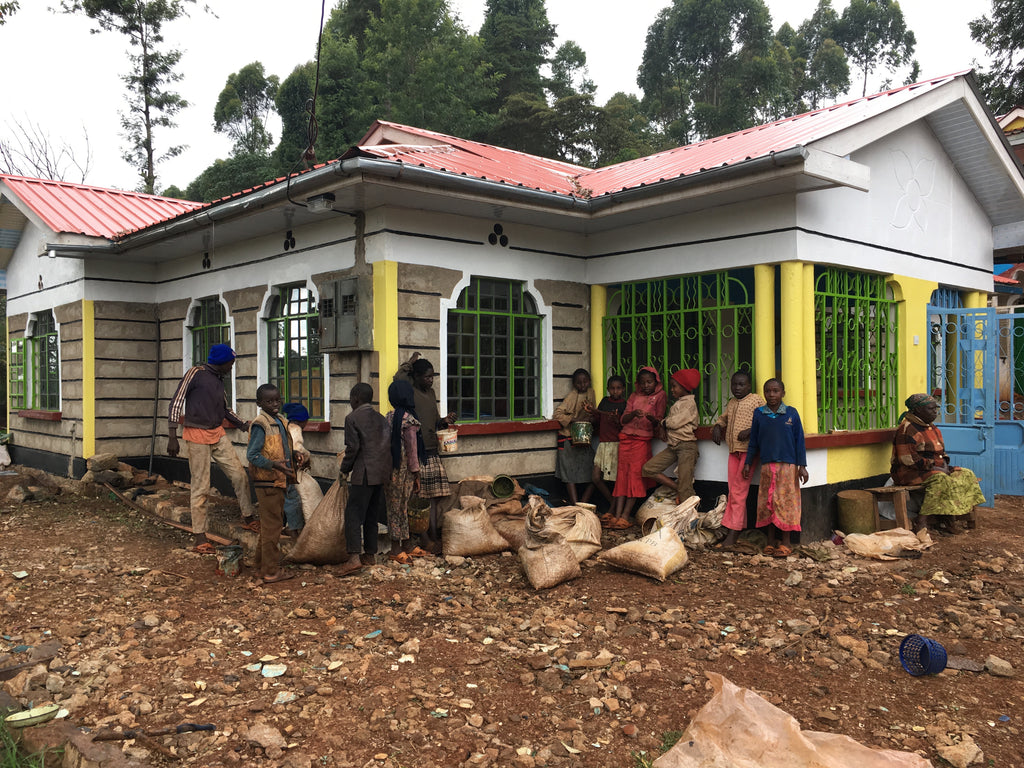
[(619, 524), (418, 552), (781, 551), (402, 558), (251, 524), (206, 548)]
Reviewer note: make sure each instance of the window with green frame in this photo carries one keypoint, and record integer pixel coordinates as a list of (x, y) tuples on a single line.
[(856, 334), (208, 325), (494, 345), (693, 321), (34, 366), (293, 346)]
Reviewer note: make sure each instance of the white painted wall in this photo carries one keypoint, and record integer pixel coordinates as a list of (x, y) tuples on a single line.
[(61, 278), (919, 212)]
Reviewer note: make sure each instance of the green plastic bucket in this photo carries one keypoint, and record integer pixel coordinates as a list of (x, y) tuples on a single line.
[(856, 512)]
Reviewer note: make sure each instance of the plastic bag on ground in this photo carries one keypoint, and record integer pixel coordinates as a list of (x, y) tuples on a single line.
[(322, 541), (737, 728), (658, 554), (887, 545), (546, 557), (469, 531)]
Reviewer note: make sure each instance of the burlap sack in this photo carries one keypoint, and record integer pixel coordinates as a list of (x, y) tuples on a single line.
[(547, 559), (469, 531), (322, 541), (658, 554)]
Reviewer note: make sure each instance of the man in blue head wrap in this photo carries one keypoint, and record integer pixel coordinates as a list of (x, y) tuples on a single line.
[(200, 405)]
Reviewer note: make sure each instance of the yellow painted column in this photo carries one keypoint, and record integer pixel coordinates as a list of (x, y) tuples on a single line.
[(809, 411), (385, 319), (764, 324), (913, 296), (975, 299), (791, 284), (88, 379), (598, 306)]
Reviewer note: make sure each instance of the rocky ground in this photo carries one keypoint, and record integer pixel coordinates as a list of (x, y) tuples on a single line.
[(461, 663)]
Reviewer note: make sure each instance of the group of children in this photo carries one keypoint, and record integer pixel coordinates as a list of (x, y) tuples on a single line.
[(386, 461), (756, 430)]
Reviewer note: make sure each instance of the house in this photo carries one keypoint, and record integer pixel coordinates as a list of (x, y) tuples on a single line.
[(810, 248)]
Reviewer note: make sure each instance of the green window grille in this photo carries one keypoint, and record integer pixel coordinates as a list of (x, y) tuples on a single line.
[(34, 366), (209, 326), (293, 338), (695, 321), (494, 345), (856, 334), (16, 385)]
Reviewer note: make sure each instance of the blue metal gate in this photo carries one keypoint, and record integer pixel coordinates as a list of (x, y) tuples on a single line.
[(971, 362)]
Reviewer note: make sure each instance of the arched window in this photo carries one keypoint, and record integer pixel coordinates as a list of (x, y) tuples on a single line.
[(494, 335), (293, 343), (208, 326), (34, 365)]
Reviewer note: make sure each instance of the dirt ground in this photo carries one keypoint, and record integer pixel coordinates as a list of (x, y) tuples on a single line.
[(463, 664)]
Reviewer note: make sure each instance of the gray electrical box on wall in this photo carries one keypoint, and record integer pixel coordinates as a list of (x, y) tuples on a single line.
[(346, 321)]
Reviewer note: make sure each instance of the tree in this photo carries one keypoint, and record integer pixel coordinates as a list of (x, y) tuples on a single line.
[(152, 104), (242, 109), (31, 152), (624, 132), (225, 177), (351, 19), (291, 101), (820, 72), (423, 68), (1002, 34), (7, 9), (874, 34), (711, 67), (516, 37)]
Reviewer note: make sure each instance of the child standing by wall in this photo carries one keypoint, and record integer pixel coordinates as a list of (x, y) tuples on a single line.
[(270, 457), (777, 439), (680, 425), (575, 463), (407, 452), (735, 425), (644, 410), (367, 467), (609, 421)]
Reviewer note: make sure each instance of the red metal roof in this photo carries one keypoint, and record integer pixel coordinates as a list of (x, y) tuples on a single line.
[(471, 158), (109, 213), (468, 158), (93, 211), (1004, 280)]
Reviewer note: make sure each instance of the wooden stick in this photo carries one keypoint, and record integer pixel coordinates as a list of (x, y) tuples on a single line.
[(125, 500)]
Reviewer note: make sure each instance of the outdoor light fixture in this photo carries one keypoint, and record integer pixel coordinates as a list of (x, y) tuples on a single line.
[(320, 203)]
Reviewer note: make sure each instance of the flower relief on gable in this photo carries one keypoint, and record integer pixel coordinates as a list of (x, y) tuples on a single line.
[(916, 181)]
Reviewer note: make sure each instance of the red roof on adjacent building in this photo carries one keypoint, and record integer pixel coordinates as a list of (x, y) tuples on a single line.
[(94, 211)]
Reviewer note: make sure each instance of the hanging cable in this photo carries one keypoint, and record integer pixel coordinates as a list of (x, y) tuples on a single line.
[(312, 127)]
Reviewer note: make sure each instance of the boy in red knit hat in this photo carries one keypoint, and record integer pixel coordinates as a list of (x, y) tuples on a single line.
[(680, 427)]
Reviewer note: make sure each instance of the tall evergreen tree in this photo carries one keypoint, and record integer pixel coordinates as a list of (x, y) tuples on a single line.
[(152, 104), (711, 68), (1002, 34), (874, 34), (517, 38), (242, 109)]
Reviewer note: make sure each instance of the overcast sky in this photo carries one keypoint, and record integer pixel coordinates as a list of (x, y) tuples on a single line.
[(58, 76)]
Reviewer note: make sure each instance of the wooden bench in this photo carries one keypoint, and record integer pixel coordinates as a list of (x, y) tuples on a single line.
[(898, 494)]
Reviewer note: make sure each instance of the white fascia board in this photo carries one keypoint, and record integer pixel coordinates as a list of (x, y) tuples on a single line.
[(1008, 235), (869, 130), (837, 170)]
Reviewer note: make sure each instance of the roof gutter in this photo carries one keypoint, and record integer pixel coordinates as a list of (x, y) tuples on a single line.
[(428, 176)]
